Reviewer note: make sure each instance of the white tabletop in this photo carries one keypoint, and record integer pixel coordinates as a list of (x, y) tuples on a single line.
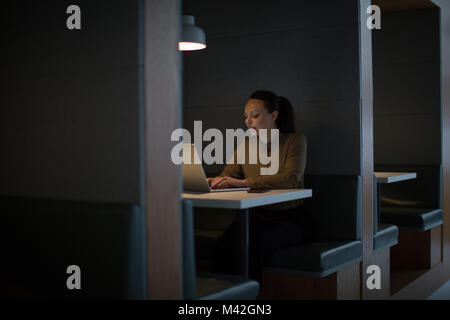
[(390, 177), (243, 199)]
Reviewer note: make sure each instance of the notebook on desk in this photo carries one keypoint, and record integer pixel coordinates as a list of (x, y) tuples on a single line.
[(194, 177)]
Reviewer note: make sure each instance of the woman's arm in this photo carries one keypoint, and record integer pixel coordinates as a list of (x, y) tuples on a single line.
[(231, 176), (233, 170), (289, 176)]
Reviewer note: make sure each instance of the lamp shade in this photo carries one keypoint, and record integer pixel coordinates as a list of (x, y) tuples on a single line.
[(193, 37)]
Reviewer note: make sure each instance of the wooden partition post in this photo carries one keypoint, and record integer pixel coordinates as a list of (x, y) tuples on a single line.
[(366, 100), (162, 107)]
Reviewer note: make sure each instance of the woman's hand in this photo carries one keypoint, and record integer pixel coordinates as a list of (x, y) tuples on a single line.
[(226, 182)]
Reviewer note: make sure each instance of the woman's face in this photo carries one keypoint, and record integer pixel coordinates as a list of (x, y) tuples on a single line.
[(257, 116)]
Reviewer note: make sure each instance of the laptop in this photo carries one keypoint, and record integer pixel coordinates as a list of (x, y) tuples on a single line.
[(194, 178)]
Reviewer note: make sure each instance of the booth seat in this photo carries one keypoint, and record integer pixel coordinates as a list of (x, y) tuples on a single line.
[(335, 214), (40, 238), (384, 235), (413, 204), (208, 286)]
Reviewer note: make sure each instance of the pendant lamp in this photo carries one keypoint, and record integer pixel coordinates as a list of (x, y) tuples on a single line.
[(193, 37)]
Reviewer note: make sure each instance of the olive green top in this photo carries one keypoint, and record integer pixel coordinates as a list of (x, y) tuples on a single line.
[(292, 162)]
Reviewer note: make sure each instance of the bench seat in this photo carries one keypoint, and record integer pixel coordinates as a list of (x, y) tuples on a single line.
[(386, 237), (413, 204), (420, 219), (316, 259), (334, 214)]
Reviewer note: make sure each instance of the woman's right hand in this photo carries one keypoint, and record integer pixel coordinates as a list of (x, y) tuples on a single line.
[(213, 182), (218, 182), (227, 182)]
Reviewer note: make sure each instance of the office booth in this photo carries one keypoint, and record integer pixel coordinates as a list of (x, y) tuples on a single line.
[(309, 53), (407, 137)]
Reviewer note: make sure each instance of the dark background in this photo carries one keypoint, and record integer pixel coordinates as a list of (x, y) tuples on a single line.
[(407, 90), (69, 115), (307, 52)]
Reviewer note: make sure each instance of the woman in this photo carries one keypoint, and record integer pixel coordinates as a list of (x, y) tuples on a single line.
[(275, 226)]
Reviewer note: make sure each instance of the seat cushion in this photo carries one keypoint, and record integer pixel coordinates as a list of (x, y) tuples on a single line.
[(386, 237), (420, 219), (335, 209), (225, 287), (317, 259)]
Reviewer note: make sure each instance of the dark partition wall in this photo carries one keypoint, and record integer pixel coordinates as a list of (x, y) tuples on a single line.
[(445, 74), (69, 101), (304, 50), (407, 100)]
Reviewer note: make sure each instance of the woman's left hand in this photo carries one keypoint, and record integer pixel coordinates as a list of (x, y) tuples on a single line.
[(227, 182)]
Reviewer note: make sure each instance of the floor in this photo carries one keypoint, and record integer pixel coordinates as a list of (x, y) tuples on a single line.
[(443, 293)]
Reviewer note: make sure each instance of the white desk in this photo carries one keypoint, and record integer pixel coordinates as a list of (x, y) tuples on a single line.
[(391, 177), (243, 201)]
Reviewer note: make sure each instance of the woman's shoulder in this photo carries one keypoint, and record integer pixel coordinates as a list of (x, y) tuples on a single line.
[(296, 137)]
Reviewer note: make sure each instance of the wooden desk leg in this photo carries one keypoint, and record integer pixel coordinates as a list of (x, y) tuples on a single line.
[(243, 234)]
